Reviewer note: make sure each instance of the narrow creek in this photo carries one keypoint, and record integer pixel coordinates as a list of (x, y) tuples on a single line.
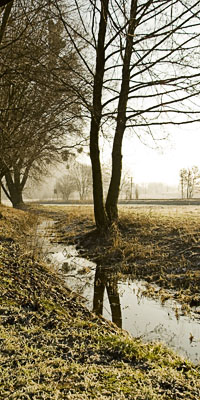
[(121, 301)]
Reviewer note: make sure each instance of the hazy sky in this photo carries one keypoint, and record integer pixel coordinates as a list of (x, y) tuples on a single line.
[(145, 164), (181, 150)]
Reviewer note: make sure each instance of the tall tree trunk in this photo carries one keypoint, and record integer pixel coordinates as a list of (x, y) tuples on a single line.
[(15, 189), (99, 208), (5, 18), (114, 188)]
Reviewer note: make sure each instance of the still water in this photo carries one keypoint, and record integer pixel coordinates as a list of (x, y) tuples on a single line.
[(122, 302)]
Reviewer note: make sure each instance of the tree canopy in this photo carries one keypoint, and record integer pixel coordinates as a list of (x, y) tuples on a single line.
[(135, 68), (40, 109)]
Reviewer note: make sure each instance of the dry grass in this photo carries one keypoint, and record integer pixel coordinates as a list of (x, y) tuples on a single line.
[(52, 348), (16, 224)]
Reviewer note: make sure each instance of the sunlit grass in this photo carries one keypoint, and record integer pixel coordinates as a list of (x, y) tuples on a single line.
[(52, 348)]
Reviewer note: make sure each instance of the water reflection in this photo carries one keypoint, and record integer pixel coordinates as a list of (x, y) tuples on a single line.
[(122, 301), (104, 280)]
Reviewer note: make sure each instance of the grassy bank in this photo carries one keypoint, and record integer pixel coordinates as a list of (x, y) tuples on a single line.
[(51, 347)]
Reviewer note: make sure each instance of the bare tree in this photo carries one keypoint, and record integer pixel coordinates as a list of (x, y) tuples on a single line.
[(141, 73), (21, 10), (126, 184), (40, 111), (81, 175), (5, 16), (183, 179), (189, 181), (77, 179), (65, 186)]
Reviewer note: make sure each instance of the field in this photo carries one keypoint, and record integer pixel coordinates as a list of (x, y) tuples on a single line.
[(52, 347)]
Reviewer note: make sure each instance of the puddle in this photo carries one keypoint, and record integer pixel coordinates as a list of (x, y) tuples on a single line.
[(123, 303)]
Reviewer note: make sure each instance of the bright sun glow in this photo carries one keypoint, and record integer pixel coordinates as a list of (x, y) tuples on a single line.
[(181, 150)]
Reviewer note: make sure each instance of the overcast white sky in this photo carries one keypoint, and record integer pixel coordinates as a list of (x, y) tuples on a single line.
[(181, 150)]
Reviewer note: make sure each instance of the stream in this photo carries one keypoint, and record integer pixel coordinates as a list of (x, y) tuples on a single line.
[(122, 301)]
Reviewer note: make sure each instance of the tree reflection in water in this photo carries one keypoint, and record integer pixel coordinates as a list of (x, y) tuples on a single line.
[(105, 279)]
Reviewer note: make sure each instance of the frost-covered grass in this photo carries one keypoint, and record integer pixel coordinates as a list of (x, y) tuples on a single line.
[(52, 347)]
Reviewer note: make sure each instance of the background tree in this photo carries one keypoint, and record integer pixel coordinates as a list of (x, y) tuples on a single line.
[(77, 179), (183, 180), (65, 186), (136, 192), (126, 184), (83, 180), (81, 176), (141, 72), (189, 181)]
